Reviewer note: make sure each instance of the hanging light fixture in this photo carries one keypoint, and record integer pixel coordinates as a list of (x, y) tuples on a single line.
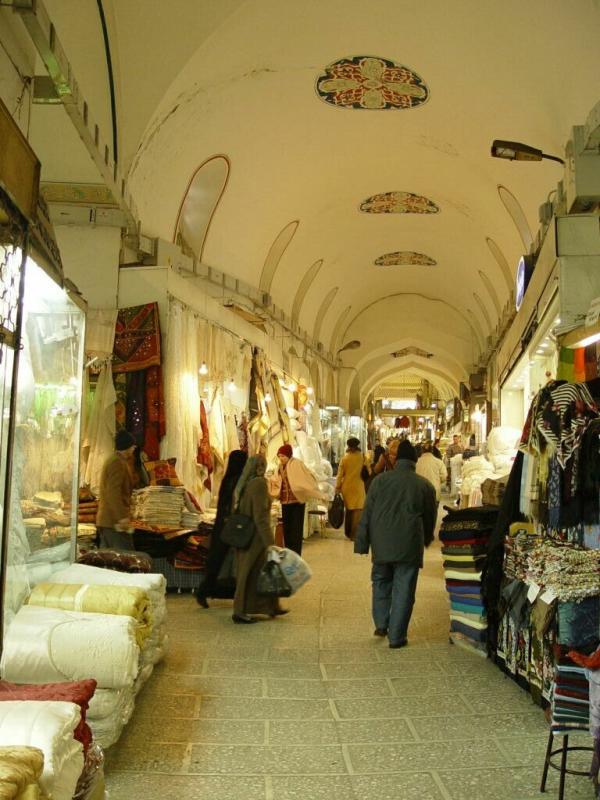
[(203, 369), (293, 386), (268, 397), (310, 390), (231, 385)]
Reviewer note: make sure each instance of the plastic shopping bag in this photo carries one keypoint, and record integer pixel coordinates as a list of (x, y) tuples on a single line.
[(293, 567), (272, 582), (336, 512)]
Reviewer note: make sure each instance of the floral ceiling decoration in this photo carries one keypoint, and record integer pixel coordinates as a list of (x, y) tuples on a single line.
[(398, 203), (405, 258), (372, 83)]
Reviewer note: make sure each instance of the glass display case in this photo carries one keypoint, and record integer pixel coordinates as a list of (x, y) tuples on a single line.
[(42, 526)]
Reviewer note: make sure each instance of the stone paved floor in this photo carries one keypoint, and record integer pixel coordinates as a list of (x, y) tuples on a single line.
[(313, 706)]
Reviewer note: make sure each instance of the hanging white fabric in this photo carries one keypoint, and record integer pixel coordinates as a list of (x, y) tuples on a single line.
[(98, 441)]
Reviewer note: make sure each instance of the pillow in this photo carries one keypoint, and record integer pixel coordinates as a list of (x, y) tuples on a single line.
[(162, 473)]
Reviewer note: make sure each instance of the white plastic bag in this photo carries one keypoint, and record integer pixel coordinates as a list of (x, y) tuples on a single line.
[(294, 567)]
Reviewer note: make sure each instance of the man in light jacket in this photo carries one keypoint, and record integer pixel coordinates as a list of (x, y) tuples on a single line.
[(430, 467), (295, 485), (397, 523)]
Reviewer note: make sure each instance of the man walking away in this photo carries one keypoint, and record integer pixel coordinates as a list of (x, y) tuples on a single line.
[(397, 523)]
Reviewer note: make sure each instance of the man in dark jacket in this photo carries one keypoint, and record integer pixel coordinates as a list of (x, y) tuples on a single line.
[(397, 523)]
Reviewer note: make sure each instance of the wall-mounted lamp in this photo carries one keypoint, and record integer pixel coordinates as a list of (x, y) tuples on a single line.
[(516, 151), (231, 385), (353, 345)]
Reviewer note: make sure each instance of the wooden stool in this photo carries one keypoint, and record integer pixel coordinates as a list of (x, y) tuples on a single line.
[(322, 523), (563, 763)]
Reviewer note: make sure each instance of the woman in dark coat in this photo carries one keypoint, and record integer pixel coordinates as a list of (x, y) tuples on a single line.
[(252, 499), (217, 550)]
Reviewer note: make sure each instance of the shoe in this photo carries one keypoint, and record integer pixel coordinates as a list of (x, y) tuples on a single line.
[(243, 620), (380, 632), (202, 600), (280, 612), (396, 645)]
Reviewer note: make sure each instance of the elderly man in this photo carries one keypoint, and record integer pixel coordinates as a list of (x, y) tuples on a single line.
[(453, 449), (397, 523)]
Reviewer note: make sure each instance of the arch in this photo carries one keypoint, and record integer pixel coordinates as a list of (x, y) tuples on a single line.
[(410, 294), (305, 285), (411, 365), (491, 291), (337, 328), (477, 328), (483, 310), (512, 205), (327, 301), (275, 254), (450, 361), (199, 204), (502, 263)]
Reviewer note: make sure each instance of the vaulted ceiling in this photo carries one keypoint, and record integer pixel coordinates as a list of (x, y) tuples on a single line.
[(321, 107)]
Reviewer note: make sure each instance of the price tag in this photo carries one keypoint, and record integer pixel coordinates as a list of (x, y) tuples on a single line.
[(533, 592)]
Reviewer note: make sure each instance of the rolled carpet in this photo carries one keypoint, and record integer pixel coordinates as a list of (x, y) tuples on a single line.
[(122, 600), (44, 645), (48, 726), (20, 770)]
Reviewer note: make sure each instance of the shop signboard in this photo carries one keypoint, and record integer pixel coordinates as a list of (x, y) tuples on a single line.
[(524, 273)]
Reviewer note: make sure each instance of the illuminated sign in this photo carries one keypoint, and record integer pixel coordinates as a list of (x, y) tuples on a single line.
[(524, 273)]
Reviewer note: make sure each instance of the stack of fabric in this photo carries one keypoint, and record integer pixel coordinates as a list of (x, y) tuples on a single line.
[(20, 772), (570, 698), (190, 519), (464, 534), (88, 506), (517, 547), (571, 573), (193, 554), (49, 727), (158, 505)]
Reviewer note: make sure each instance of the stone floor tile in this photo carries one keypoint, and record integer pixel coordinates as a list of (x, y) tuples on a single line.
[(206, 685), (468, 726), (302, 732), (432, 705), (371, 731), (516, 783), (212, 731), (246, 708), (345, 655), (358, 688), (300, 760), (323, 787), (282, 654), (151, 757), (152, 704), (138, 785), (263, 669), (401, 786), (410, 756)]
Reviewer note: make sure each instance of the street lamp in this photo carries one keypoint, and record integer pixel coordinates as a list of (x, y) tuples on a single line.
[(516, 151)]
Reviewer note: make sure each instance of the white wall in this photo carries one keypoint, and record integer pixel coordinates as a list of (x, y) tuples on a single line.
[(90, 258), (15, 40)]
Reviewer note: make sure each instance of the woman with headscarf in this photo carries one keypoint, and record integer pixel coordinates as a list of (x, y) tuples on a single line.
[(217, 551), (252, 499), (350, 483)]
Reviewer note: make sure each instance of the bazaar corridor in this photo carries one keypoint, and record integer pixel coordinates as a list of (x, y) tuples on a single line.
[(313, 706)]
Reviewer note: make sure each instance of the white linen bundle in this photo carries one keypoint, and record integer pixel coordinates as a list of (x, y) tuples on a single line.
[(49, 726)]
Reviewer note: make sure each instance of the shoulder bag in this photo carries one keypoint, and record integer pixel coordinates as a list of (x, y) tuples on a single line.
[(238, 531)]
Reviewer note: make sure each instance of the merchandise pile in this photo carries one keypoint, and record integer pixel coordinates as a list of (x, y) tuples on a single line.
[(517, 547), (570, 699), (464, 534), (158, 506), (571, 573)]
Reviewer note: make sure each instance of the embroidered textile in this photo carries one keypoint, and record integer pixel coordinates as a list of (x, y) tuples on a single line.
[(137, 338)]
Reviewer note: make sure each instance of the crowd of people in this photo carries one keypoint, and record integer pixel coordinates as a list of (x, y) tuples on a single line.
[(391, 505)]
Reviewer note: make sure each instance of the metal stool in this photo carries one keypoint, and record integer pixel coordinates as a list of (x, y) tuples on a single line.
[(563, 763), (321, 519)]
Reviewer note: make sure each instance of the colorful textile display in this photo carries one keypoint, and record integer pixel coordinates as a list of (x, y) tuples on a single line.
[(156, 419), (204, 456), (570, 699), (121, 600), (570, 573), (21, 768), (78, 692), (137, 338)]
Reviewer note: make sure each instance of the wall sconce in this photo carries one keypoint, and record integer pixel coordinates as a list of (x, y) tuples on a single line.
[(516, 151)]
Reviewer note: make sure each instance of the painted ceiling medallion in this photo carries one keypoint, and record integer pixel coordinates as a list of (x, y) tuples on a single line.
[(371, 83), (398, 203), (405, 258)]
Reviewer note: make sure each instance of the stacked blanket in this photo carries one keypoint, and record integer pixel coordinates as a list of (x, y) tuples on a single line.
[(49, 644), (159, 505), (20, 770), (48, 726), (465, 534), (123, 600), (570, 699), (80, 693), (110, 710)]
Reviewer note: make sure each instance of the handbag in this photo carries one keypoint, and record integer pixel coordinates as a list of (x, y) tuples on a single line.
[(335, 515), (272, 582), (364, 473), (238, 531)]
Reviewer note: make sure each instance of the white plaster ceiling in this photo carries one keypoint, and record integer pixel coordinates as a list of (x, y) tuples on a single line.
[(196, 78)]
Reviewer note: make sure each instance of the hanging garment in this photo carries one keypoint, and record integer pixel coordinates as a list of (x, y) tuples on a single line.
[(135, 415), (137, 338), (99, 440), (156, 424), (204, 455)]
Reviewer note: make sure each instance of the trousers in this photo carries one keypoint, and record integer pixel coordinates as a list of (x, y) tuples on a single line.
[(293, 526), (394, 587), (111, 539)]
